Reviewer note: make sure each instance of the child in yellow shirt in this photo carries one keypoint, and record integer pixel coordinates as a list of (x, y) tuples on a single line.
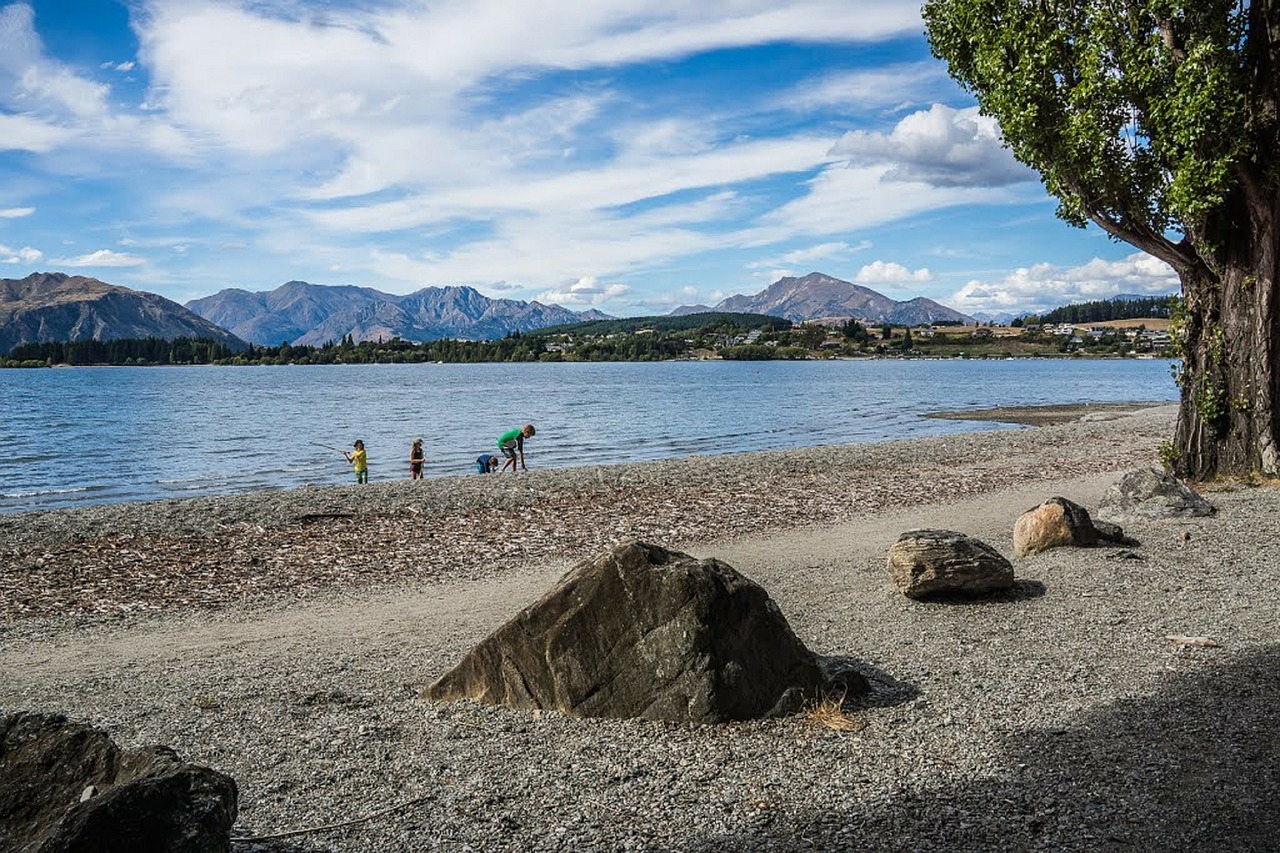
[(359, 461)]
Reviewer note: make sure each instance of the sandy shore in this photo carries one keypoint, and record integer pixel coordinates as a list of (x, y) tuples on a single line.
[(284, 638)]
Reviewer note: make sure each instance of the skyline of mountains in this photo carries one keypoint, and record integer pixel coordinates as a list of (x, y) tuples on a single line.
[(61, 307)]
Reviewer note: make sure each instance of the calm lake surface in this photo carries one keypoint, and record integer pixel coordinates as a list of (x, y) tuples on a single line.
[(77, 436)]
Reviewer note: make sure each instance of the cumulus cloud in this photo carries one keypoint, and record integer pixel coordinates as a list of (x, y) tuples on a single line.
[(586, 292), (25, 255), (941, 146), (1045, 286), (879, 272), (16, 212), (102, 258)]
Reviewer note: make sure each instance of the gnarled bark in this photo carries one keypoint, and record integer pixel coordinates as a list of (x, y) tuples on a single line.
[(1228, 423)]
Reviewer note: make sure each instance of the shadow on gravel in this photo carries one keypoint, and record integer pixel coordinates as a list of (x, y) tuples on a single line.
[(1023, 589), (1194, 767), (885, 691)]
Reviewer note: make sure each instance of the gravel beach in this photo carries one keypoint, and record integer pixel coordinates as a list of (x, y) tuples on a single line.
[(285, 638)]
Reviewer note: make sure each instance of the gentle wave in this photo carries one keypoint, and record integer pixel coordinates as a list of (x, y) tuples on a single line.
[(42, 492)]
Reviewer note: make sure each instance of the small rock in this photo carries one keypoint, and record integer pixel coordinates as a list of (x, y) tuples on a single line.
[(1151, 493), (1059, 522)]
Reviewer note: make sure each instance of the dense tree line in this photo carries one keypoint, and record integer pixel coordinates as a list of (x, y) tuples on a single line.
[(123, 351), (677, 339), (1102, 310)]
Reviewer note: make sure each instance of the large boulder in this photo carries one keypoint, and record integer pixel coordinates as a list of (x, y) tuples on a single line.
[(926, 563), (65, 786), (641, 631), (1059, 522), (1151, 493)]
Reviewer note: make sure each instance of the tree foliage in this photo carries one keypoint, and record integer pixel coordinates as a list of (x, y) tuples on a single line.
[(1136, 113), (1158, 120)]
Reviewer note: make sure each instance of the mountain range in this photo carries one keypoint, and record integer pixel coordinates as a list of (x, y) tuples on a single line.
[(818, 296), (313, 314), (59, 307)]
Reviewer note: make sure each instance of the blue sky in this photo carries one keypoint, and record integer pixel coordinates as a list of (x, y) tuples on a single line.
[(626, 155)]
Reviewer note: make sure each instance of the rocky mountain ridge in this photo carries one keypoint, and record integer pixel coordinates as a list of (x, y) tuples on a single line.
[(299, 313)]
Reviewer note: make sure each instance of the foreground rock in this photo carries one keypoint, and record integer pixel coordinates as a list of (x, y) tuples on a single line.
[(1151, 493), (925, 563), (1059, 522), (641, 631), (66, 786)]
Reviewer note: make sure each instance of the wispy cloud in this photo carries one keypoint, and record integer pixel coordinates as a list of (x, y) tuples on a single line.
[(101, 258), (892, 87), (16, 212)]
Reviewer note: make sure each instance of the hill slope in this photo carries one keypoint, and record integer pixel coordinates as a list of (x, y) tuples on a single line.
[(58, 307)]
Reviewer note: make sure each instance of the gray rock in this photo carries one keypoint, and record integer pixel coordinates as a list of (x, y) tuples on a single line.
[(65, 786), (1058, 523), (1151, 493), (923, 563), (641, 631)]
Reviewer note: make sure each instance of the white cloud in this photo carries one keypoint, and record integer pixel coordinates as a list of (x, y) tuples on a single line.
[(610, 185), (891, 87), (843, 199), (1045, 286), (16, 212), (585, 292), (817, 253), (24, 133), (30, 80), (941, 146), (25, 255), (879, 272), (101, 258)]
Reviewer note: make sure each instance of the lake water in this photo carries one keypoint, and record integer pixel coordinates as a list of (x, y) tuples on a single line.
[(79, 436)]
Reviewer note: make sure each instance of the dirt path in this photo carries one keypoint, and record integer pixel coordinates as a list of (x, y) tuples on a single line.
[(793, 565)]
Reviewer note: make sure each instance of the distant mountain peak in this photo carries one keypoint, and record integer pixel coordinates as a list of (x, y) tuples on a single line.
[(818, 295)]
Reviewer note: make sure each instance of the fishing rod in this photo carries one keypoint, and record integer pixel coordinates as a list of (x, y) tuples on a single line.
[(329, 447)]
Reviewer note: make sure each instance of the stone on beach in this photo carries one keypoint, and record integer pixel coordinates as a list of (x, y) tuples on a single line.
[(924, 563), (1151, 493), (640, 631), (67, 786), (1059, 522)]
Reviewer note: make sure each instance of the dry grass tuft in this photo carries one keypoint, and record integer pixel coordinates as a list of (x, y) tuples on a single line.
[(829, 713)]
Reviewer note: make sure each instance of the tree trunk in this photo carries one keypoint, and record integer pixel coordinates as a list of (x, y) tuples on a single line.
[(1228, 423)]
